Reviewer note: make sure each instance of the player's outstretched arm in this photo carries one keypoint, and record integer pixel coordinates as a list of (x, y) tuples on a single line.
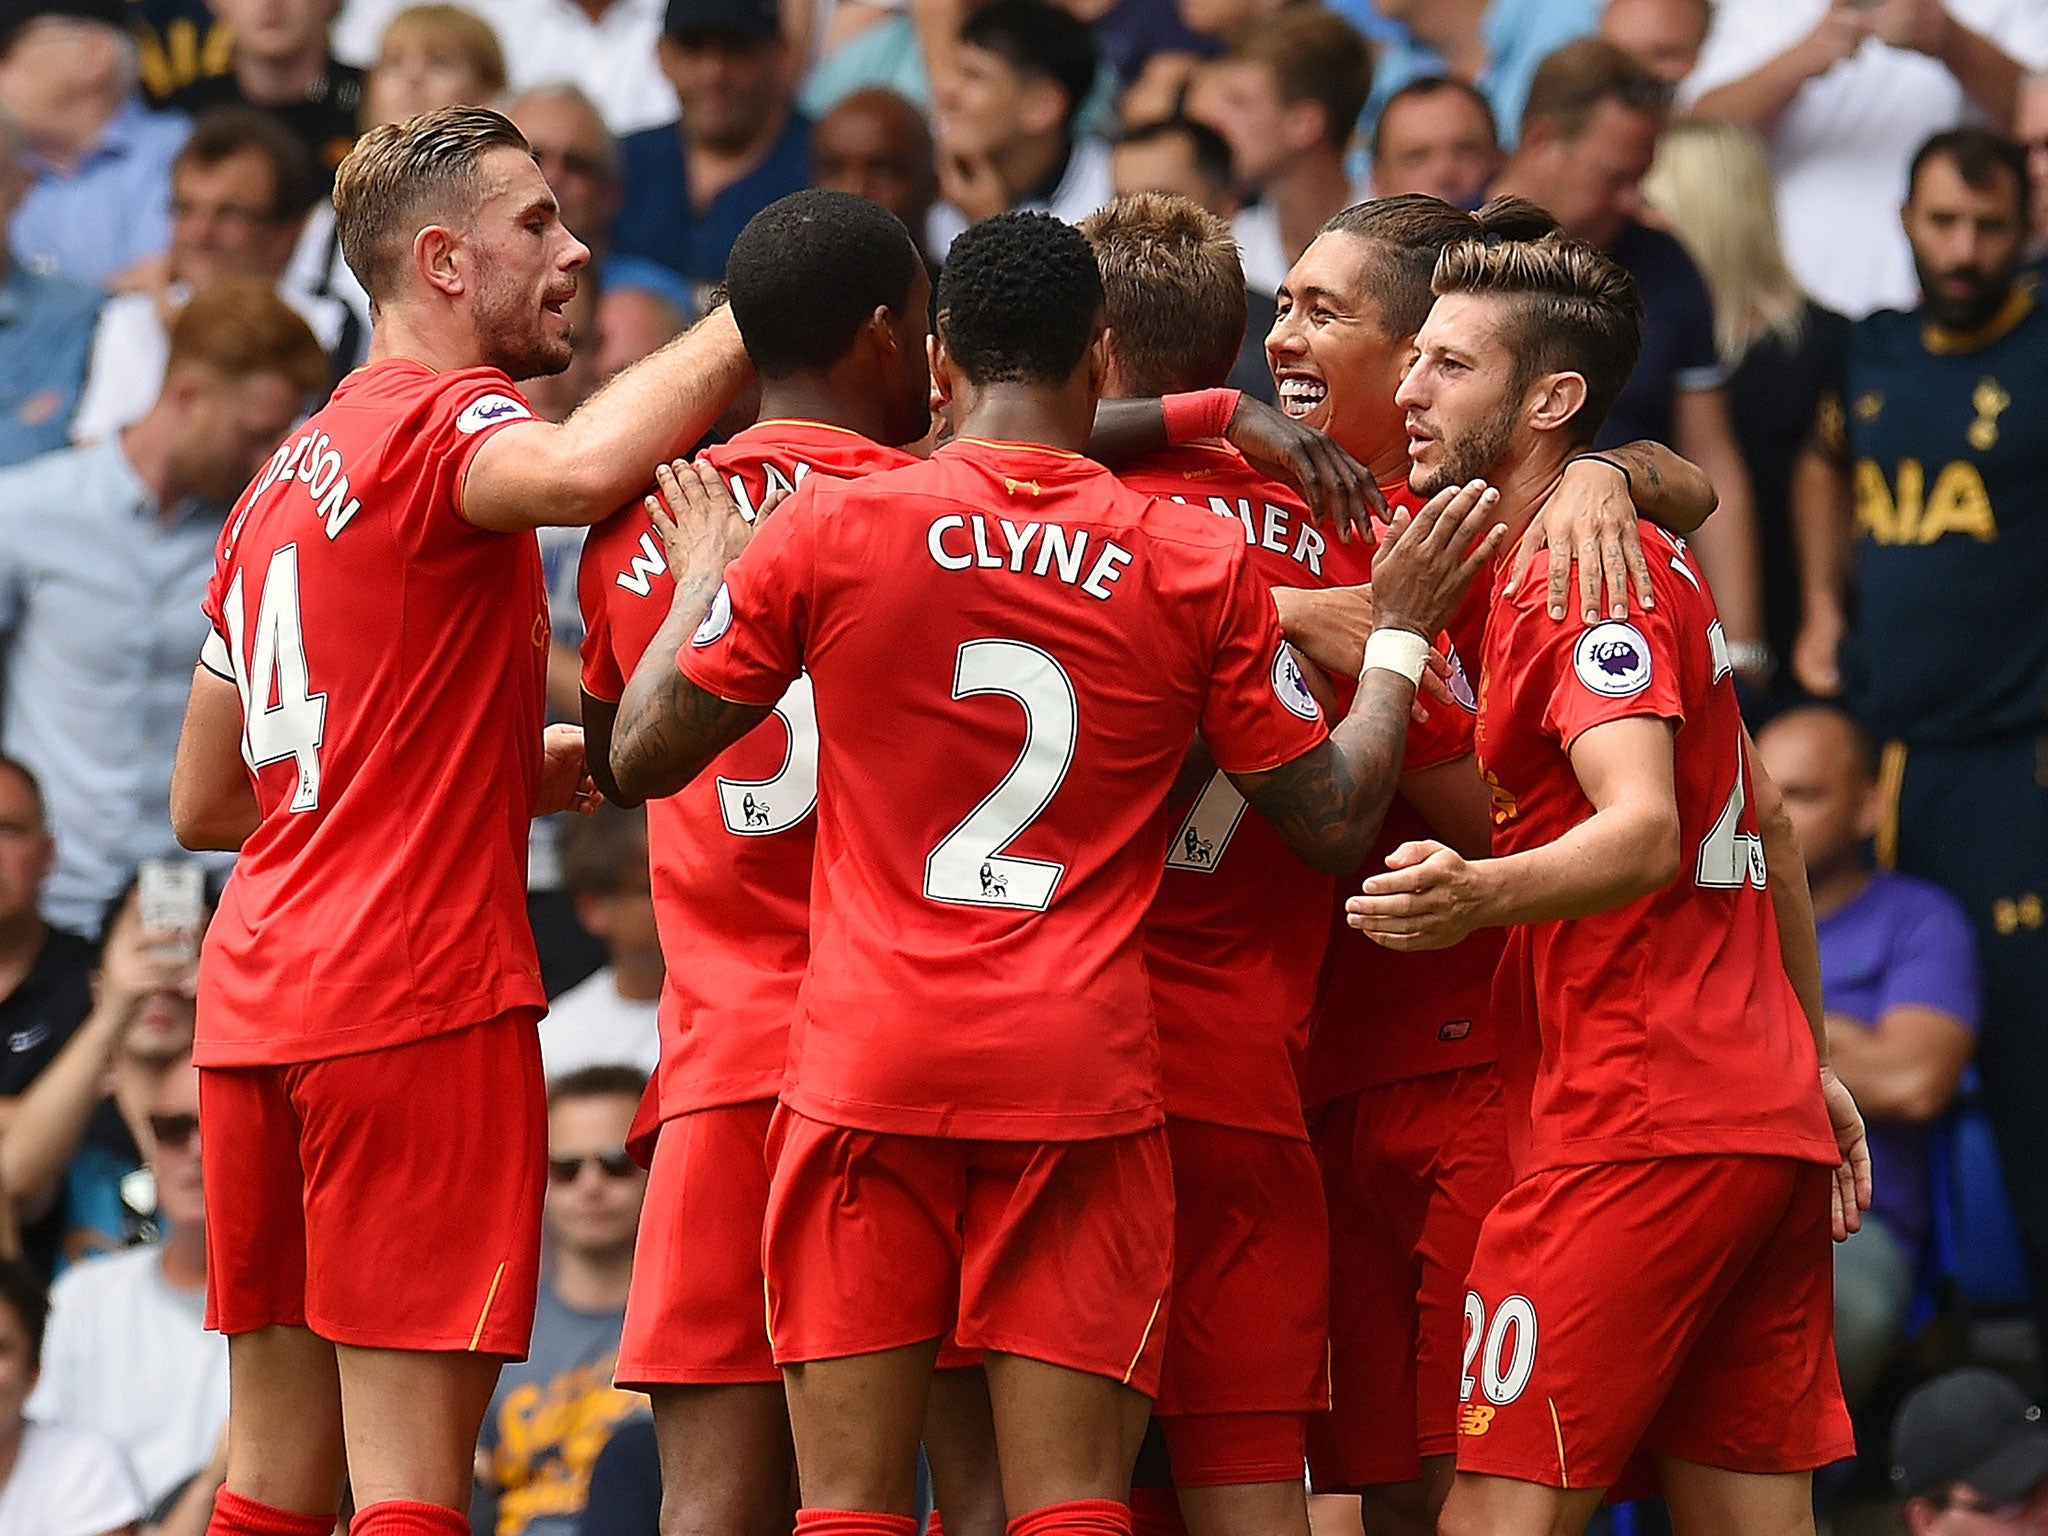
[(667, 730), (1431, 897), (537, 474), (1329, 802), (213, 804), (1590, 523)]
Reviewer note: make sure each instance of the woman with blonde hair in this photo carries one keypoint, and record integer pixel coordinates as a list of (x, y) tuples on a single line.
[(1711, 187)]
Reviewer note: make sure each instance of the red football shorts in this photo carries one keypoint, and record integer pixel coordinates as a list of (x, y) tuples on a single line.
[(1247, 1338), (1686, 1303), (388, 1200), (1410, 1169), (1059, 1251), (697, 1313)]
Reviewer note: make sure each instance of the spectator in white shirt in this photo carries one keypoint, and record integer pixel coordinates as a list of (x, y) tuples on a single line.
[(604, 46), (1845, 92), (55, 1479), (128, 1353), (609, 1018), (240, 190)]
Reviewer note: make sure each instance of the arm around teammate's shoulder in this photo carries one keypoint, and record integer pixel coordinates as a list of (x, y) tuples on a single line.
[(536, 474)]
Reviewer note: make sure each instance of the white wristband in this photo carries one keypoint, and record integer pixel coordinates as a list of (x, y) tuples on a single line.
[(1396, 650)]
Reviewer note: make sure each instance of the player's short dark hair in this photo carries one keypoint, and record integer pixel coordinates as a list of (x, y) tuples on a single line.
[(1173, 289), (1404, 236), (1436, 85), (23, 1288), (1313, 55), (27, 776), (1020, 299), (807, 272), (1040, 41), (1211, 151), (229, 131), (605, 853), (1571, 309), (604, 1081), (1980, 156), (1570, 84), (402, 175)]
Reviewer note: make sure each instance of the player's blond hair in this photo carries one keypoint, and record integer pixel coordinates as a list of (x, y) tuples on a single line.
[(237, 326), (1712, 182), (1173, 291), (404, 175), (1570, 310)]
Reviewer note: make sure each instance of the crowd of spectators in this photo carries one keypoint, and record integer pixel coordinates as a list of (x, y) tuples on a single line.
[(173, 299)]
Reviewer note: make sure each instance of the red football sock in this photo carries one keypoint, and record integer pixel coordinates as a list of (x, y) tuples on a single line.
[(852, 1522), (408, 1517), (234, 1515), (1156, 1512), (1076, 1517)]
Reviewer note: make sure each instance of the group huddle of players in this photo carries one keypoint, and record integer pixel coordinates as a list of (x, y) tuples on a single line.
[(1137, 949)]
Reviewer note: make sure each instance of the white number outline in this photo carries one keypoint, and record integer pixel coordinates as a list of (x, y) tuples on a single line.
[(273, 732), (737, 803), (1500, 1386), (969, 867)]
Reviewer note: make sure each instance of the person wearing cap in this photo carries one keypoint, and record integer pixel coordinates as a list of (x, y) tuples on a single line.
[(691, 186), (99, 203), (1970, 1458)]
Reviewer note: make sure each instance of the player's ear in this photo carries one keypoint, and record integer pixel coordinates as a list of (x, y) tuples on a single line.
[(941, 370), (881, 329), (1554, 399), (434, 258), (1101, 362)]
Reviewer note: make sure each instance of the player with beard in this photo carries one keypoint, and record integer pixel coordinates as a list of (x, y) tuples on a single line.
[(1409, 1114), (366, 727), (1945, 461), (830, 295), (1659, 1276), (1010, 655)]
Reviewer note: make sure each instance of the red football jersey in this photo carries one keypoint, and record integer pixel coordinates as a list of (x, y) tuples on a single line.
[(1668, 1026), (1382, 1016), (730, 854), (1010, 654), (1238, 929), (391, 659)]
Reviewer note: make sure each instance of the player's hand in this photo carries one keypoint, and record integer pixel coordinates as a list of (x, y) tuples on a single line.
[(696, 519), (1430, 898), (565, 782), (1816, 652), (1852, 1189), (1427, 562), (1590, 522), (1328, 625), (1338, 489)]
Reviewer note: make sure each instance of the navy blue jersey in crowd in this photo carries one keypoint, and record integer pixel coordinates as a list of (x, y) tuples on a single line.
[(1950, 446), (1678, 337)]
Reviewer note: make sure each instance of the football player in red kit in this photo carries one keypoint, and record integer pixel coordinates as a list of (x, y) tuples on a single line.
[(366, 727), (1660, 1274), (1233, 944), (830, 296), (1010, 655), (1411, 1118)]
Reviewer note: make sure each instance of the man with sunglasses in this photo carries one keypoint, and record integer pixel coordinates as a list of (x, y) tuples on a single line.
[(127, 1352), (554, 1411), (1589, 133), (1970, 1458)]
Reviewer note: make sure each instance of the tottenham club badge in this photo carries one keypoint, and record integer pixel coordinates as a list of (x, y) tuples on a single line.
[(1613, 659)]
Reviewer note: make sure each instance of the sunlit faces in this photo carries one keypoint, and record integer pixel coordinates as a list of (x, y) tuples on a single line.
[(1440, 143), (1817, 761), (1240, 99), (224, 220), (731, 87), (1462, 397), (594, 1195), (1334, 363), (1592, 185), (26, 848), (522, 264), (874, 144)]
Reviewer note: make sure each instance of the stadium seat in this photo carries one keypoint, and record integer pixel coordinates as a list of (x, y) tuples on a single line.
[(1976, 1240)]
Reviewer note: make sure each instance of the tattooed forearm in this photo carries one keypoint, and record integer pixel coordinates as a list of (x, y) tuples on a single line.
[(1670, 491), (1328, 804), (668, 728)]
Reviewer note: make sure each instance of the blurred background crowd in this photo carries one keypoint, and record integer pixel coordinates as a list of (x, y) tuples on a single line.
[(172, 300)]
